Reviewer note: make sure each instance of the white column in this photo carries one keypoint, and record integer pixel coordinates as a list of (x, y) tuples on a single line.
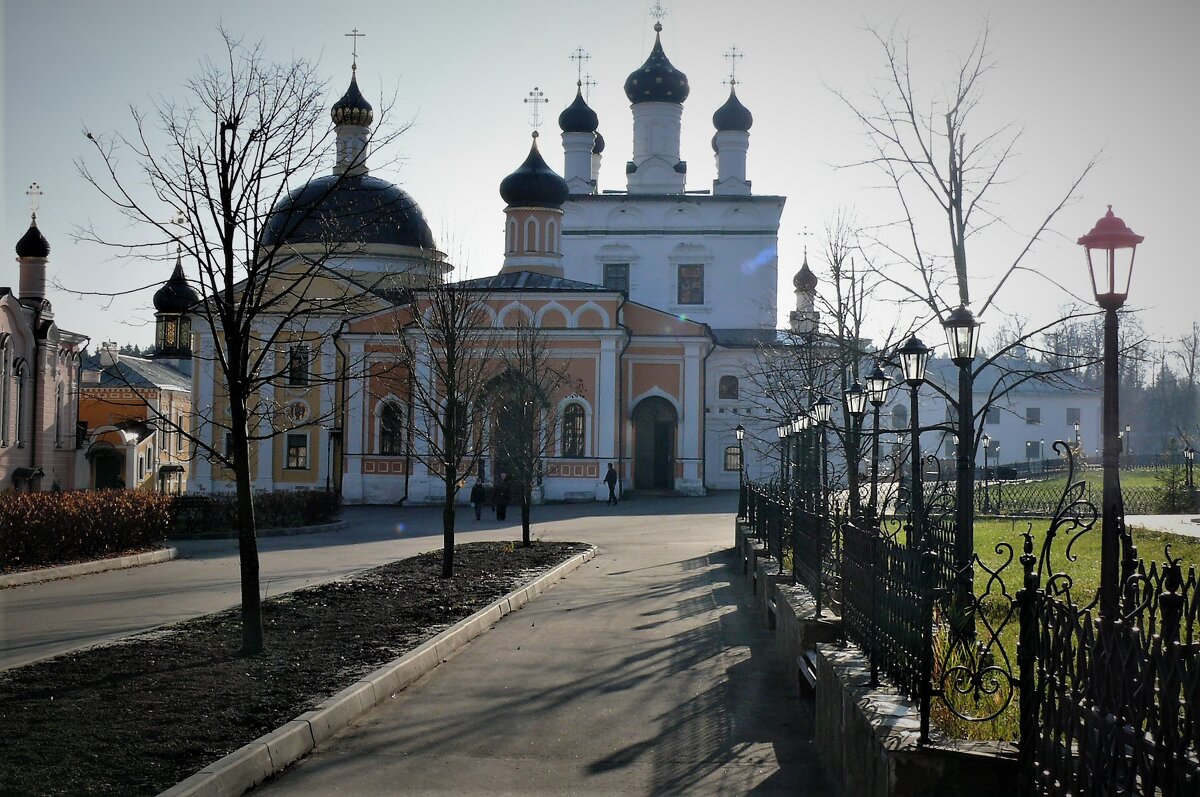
[(691, 421), (731, 162), (607, 401), (265, 473), (352, 435), (656, 149), (577, 161)]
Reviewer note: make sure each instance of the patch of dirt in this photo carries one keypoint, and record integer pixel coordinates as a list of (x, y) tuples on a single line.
[(21, 568), (140, 715)]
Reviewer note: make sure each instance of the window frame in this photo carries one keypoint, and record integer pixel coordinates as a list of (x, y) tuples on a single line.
[(722, 393), (573, 441), (301, 461), (392, 437), (297, 376), (623, 277), (1033, 416), (689, 277), (733, 454)]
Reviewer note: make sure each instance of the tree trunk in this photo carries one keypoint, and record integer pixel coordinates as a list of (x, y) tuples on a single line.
[(448, 532), (526, 502), (252, 627)]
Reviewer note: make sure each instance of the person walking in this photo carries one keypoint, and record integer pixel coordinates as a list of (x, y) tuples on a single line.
[(478, 494), (610, 479), (502, 494)]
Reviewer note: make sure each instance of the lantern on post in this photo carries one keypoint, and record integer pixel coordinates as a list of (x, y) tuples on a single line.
[(1110, 248)]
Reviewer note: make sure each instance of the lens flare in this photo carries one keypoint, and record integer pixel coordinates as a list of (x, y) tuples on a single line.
[(758, 261)]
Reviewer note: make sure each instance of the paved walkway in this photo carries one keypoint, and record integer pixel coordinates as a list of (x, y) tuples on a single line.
[(1186, 525), (646, 671)]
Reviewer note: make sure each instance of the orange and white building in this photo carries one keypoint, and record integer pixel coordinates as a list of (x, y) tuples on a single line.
[(39, 380), (653, 297)]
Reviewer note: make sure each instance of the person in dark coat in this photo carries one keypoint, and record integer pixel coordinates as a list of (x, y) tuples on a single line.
[(610, 479), (501, 495), (478, 494)]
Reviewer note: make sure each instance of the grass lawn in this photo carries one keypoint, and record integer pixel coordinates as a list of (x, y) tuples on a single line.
[(1085, 573), (1129, 478)]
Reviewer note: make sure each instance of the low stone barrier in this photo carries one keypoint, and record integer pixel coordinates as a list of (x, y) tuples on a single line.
[(868, 735)]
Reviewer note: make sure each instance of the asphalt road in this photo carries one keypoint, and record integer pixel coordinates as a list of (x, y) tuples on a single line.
[(42, 620)]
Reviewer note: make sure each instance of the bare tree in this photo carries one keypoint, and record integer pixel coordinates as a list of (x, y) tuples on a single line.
[(214, 175), (448, 352), (531, 382), (927, 154)]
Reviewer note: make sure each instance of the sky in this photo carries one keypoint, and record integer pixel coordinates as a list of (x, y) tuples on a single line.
[(1078, 78)]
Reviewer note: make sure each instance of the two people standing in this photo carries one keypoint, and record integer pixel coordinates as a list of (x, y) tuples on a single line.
[(501, 497)]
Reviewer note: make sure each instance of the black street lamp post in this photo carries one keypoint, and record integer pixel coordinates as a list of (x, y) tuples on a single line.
[(877, 388), (1110, 249), (1189, 459), (740, 433), (987, 443), (962, 336), (914, 356), (856, 407)]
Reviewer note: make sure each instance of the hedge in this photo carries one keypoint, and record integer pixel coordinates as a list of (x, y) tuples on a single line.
[(217, 512), (39, 529)]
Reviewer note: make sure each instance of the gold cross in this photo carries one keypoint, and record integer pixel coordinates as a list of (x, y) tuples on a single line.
[(354, 37), (580, 57), (733, 54), (34, 193), (587, 87), (536, 100)]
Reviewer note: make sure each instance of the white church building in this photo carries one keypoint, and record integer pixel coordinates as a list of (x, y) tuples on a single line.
[(655, 296)]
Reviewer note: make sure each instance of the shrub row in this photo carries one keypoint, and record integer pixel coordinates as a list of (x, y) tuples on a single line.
[(49, 528), (195, 514)]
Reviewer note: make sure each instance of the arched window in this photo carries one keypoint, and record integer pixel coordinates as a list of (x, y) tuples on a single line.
[(391, 430), (20, 406), (58, 401), (531, 234), (297, 372), (899, 417), (573, 430), (512, 235), (551, 234), (727, 388), (5, 387), (733, 458)]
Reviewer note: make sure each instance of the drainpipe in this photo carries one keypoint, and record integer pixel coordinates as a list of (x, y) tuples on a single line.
[(621, 389), (703, 405)]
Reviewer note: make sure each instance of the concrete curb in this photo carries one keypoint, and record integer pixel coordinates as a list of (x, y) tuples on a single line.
[(84, 568), (250, 765), (282, 531)]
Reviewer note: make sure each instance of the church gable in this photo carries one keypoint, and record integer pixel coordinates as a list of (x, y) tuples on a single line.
[(643, 320)]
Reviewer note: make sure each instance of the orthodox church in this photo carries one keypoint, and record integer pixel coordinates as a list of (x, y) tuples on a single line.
[(653, 296)]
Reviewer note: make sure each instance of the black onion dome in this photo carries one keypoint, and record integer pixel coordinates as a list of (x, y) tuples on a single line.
[(657, 80), (176, 295), (343, 209), (598, 147), (578, 117), (352, 108), (534, 184), (733, 115), (33, 243), (805, 280)]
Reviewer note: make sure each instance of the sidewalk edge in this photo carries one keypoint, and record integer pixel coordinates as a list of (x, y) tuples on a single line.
[(267, 755), (86, 568)]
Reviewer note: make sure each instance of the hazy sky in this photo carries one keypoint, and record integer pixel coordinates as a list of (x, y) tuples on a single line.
[(1079, 77)]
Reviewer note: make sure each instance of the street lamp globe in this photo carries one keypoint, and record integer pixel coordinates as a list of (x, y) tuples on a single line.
[(800, 422), (740, 431), (783, 429), (877, 386), (856, 400), (986, 440), (962, 334), (914, 356), (1110, 248), (822, 410)]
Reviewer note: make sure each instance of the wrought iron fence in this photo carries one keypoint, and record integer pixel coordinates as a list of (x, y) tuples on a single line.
[(1040, 499), (1103, 706)]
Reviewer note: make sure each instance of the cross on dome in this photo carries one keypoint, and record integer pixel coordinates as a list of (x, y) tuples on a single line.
[(586, 84), (34, 192), (536, 100), (658, 12), (732, 55), (580, 57), (354, 37)]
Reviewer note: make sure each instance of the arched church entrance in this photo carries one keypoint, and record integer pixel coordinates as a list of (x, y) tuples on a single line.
[(654, 423), (109, 466)]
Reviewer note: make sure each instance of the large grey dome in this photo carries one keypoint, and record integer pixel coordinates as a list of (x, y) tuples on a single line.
[(344, 209)]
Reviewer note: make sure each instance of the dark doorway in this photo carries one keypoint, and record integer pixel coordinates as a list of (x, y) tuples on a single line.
[(109, 466), (654, 422)]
